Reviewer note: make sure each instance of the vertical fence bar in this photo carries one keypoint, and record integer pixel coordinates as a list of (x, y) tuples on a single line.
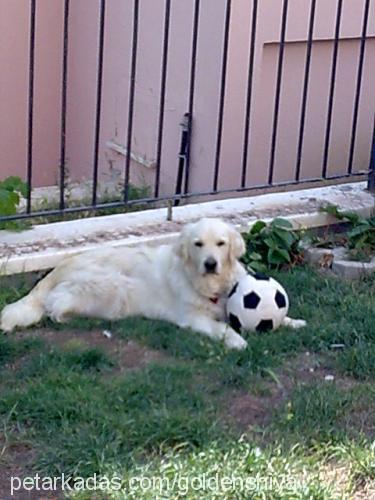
[(193, 65), (332, 88), (249, 92), (182, 155), (162, 94), (278, 91), (358, 85), (133, 70), (222, 94), (371, 175), (99, 87), (305, 89), (30, 126), (63, 103)]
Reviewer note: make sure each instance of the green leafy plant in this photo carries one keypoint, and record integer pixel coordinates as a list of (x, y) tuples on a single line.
[(11, 190), (360, 238), (271, 245)]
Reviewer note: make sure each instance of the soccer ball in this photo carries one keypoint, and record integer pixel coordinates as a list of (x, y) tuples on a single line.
[(257, 303)]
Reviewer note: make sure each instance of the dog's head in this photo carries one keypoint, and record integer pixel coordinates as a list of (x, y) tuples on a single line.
[(210, 249)]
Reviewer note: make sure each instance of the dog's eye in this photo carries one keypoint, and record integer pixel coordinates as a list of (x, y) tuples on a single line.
[(220, 243), (198, 244)]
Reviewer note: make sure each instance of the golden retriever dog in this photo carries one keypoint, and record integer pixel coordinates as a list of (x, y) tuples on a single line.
[(185, 283)]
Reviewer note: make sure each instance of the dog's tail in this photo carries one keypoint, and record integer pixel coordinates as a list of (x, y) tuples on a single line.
[(28, 310)]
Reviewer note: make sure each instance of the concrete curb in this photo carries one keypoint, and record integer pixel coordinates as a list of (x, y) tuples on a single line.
[(353, 270), (334, 258)]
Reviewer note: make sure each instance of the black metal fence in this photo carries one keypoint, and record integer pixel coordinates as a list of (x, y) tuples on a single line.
[(183, 162)]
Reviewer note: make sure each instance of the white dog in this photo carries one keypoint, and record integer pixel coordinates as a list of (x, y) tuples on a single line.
[(185, 283)]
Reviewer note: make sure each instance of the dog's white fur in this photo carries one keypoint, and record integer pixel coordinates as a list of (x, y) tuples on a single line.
[(169, 282)]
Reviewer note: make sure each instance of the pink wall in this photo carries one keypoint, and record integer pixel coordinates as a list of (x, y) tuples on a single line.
[(82, 64), (268, 33), (13, 97), (14, 57)]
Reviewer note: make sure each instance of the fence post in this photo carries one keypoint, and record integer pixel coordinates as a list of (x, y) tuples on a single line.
[(371, 175), (183, 162)]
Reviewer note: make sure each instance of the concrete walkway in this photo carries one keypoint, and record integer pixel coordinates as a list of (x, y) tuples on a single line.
[(43, 246)]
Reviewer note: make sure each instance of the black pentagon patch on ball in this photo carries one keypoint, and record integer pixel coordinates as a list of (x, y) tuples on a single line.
[(261, 277), (265, 325), (233, 291), (251, 300), (235, 323), (280, 300)]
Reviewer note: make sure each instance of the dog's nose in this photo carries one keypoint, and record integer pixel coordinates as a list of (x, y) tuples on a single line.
[(210, 264)]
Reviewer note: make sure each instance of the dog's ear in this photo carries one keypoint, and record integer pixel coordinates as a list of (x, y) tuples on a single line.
[(236, 244), (181, 245)]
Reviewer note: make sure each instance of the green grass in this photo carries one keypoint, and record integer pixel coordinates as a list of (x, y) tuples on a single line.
[(10, 349), (172, 418), (74, 360), (358, 360), (321, 412), (83, 424)]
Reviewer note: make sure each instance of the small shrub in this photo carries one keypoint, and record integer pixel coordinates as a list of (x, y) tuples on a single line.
[(360, 238), (11, 190), (271, 245)]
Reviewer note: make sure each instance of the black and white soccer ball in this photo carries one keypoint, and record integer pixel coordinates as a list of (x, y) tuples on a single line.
[(257, 303)]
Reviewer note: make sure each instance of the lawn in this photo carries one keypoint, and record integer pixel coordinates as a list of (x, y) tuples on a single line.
[(159, 412)]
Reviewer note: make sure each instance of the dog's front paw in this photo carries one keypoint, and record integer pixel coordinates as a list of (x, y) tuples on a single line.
[(234, 341), (298, 323)]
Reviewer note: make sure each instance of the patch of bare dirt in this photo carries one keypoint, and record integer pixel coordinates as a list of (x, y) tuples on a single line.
[(309, 367), (365, 491), (253, 409), (337, 477), (127, 354), (15, 460), (250, 411)]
